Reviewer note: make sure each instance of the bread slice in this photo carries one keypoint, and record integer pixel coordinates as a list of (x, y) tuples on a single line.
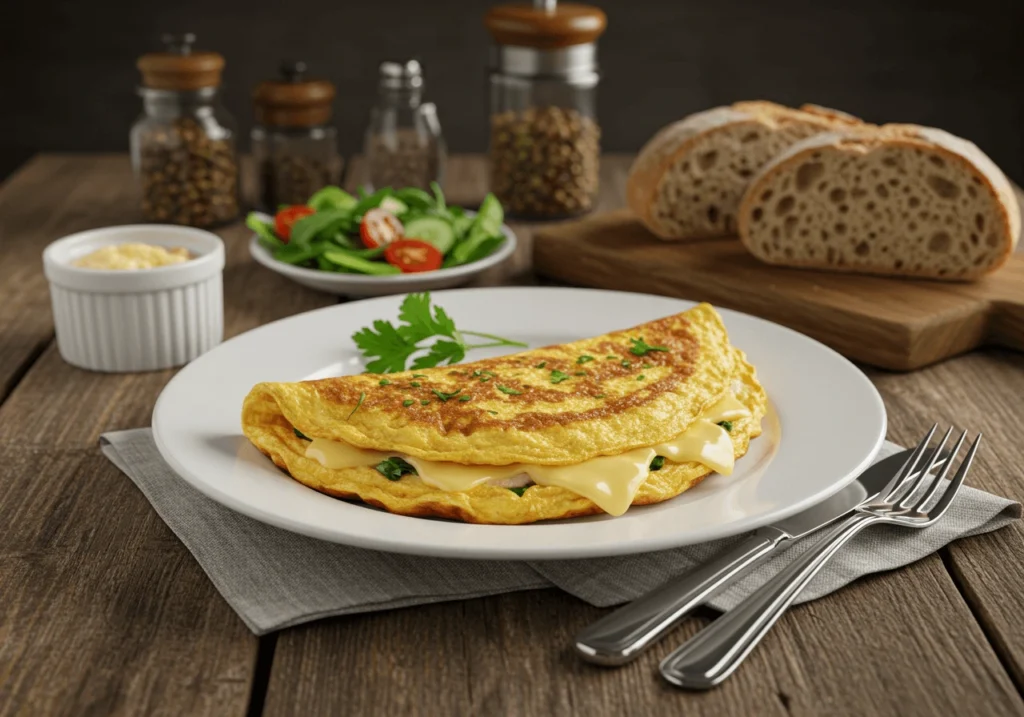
[(688, 179), (897, 200)]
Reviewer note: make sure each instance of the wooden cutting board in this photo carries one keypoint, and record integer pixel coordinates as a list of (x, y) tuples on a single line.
[(899, 324)]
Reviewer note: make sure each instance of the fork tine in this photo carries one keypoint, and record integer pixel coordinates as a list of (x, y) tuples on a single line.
[(908, 497), (908, 469), (954, 485), (937, 483)]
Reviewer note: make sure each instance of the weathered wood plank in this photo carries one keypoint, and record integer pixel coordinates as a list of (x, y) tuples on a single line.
[(981, 392), (103, 610), (872, 649)]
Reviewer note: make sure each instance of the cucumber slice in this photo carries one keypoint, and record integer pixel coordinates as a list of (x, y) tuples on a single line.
[(394, 205), (359, 264), (433, 230)]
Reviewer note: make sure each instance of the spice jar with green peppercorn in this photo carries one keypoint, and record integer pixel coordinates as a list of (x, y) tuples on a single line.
[(183, 146), (294, 147), (545, 139)]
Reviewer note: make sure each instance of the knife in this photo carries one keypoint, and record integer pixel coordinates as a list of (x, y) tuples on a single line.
[(621, 636)]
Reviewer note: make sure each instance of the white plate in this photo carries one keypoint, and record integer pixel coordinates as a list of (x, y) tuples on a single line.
[(825, 423), (361, 285)]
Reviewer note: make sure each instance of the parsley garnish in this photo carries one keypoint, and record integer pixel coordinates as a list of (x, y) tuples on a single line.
[(600, 395), (408, 402), (727, 425), (580, 373), (646, 365), (383, 382), (394, 468), (610, 358), (362, 396), (641, 377), (493, 413), (509, 391), (558, 376), (419, 375), (627, 363), (414, 384), (519, 491), (542, 364), (301, 435), (584, 359), (445, 396), (642, 348), (424, 402), (657, 463), (389, 348), (465, 398)]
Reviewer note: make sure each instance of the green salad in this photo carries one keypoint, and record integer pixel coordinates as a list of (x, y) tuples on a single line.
[(391, 231)]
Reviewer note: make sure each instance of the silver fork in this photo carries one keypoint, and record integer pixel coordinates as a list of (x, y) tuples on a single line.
[(716, 651)]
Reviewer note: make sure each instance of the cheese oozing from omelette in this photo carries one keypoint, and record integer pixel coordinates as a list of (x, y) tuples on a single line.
[(611, 482)]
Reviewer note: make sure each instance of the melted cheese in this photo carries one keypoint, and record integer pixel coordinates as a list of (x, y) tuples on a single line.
[(609, 481), (334, 454), (703, 442)]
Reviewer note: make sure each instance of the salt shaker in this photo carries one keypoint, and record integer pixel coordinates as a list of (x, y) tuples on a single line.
[(183, 146), (404, 146), (294, 147), (545, 139)]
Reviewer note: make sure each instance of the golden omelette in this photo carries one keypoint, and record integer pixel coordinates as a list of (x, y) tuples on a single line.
[(629, 418)]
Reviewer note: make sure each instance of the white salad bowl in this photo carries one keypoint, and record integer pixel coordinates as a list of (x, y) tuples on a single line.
[(362, 285)]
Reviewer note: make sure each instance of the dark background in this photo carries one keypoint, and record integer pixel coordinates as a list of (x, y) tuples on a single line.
[(69, 66)]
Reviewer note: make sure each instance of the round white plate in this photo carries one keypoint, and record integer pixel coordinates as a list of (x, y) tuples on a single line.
[(825, 423), (361, 285)]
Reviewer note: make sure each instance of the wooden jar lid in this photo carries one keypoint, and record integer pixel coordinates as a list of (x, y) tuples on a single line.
[(530, 25), (179, 67), (294, 99)]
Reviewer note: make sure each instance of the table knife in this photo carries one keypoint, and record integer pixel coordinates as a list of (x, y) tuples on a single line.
[(621, 636)]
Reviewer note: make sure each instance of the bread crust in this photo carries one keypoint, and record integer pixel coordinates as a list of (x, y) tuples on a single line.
[(865, 139), (670, 144)]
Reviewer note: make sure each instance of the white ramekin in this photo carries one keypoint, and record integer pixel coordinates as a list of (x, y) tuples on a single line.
[(136, 320)]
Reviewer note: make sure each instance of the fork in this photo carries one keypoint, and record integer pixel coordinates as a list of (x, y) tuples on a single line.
[(715, 652)]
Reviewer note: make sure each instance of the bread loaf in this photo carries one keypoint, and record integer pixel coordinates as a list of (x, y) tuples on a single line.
[(896, 200), (688, 179)]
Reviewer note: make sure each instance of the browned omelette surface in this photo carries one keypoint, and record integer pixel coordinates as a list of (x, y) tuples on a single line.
[(558, 405)]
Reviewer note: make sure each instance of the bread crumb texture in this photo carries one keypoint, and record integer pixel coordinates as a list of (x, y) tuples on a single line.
[(882, 206)]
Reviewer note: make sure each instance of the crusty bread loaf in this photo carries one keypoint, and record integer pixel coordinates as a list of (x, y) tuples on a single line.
[(688, 179), (897, 200)]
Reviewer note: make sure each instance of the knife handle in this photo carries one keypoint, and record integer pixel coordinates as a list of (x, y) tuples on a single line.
[(620, 636)]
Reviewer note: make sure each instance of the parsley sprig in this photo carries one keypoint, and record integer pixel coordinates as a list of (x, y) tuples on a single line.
[(389, 348), (642, 348)]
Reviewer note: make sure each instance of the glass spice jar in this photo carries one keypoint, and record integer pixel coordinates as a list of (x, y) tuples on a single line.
[(294, 147), (183, 146), (545, 139), (404, 146)]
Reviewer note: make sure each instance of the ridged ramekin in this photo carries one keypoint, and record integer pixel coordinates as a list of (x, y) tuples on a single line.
[(138, 319)]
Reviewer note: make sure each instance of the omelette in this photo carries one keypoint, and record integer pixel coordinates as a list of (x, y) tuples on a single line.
[(629, 418)]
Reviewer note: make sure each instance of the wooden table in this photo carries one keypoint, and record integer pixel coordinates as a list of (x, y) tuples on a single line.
[(103, 611)]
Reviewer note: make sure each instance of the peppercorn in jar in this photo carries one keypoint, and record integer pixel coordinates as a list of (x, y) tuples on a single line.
[(545, 139), (183, 146), (293, 146)]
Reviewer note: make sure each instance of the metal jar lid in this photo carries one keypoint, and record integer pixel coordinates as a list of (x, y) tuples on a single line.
[(179, 67), (293, 99), (545, 38)]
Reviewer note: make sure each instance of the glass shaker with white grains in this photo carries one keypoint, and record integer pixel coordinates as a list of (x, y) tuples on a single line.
[(404, 146), (545, 138)]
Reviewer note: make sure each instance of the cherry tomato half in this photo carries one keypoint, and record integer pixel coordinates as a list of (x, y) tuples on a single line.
[(285, 218), (379, 228), (413, 255)]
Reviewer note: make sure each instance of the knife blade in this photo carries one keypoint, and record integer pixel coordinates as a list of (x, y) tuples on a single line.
[(624, 634)]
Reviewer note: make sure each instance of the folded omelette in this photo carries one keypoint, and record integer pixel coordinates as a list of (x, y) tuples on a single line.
[(629, 418)]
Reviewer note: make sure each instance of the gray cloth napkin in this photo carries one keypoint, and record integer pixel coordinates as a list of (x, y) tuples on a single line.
[(273, 578)]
